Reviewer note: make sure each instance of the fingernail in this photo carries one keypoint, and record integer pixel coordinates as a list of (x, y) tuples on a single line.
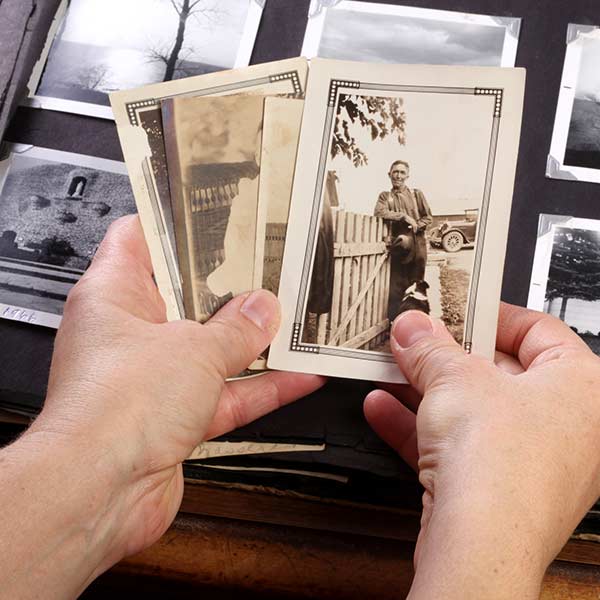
[(410, 327), (260, 307)]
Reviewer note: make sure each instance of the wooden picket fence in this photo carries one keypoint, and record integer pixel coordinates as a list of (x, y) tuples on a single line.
[(358, 317)]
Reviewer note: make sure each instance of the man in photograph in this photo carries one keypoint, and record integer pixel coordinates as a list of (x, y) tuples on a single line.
[(408, 216)]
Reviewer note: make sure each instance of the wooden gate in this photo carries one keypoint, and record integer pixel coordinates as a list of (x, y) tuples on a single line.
[(358, 317)]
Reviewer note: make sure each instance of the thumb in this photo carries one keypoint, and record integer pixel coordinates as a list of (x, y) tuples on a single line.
[(425, 351), (241, 330)]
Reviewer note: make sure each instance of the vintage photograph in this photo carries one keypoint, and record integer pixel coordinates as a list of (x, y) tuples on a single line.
[(575, 151), (139, 123), (281, 133), (213, 150), (387, 33), (394, 235), (102, 47), (407, 211), (55, 208), (565, 280)]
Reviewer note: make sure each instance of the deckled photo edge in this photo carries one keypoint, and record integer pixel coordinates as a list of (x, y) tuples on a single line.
[(556, 169)]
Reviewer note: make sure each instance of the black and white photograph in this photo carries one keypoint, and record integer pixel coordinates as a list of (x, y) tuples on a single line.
[(407, 211), (55, 208), (565, 280), (103, 47), (373, 32), (575, 151)]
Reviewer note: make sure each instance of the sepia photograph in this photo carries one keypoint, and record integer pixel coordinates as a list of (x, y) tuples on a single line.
[(213, 150), (102, 47), (139, 124), (55, 208), (565, 280), (281, 132), (575, 151), (407, 211), (395, 235), (387, 33)]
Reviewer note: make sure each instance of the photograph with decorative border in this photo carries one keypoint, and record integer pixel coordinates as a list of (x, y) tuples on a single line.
[(367, 254), (139, 123)]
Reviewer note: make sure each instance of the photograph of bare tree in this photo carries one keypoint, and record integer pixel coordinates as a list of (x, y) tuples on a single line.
[(102, 47)]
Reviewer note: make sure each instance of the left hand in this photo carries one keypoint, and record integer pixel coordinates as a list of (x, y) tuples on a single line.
[(137, 394), (508, 453)]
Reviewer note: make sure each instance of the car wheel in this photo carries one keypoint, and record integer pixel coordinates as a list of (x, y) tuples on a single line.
[(452, 242)]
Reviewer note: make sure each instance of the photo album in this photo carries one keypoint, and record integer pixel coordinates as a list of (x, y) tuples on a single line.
[(355, 191)]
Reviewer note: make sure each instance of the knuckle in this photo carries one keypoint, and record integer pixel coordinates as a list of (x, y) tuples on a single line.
[(82, 295), (231, 338), (437, 359), (238, 414), (207, 350)]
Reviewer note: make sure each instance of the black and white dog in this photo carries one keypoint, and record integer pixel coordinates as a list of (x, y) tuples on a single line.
[(415, 298)]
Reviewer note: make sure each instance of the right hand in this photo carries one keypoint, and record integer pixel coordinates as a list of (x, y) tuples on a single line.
[(509, 455), (134, 394)]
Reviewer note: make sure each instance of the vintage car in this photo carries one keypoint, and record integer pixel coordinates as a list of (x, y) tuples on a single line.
[(454, 234)]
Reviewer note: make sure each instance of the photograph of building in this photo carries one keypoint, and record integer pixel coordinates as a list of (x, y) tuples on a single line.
[(53, 216)]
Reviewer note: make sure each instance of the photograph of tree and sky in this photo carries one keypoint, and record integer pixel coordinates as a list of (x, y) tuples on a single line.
[(583, 143), (112, 45), (573, 288)]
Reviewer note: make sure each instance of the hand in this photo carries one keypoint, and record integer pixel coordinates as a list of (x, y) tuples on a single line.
[(410, 222), (509, 455), (133, 395)]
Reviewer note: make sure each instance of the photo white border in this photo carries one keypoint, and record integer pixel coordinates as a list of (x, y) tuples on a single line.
[(318, 13), (8, 151), (555, 167), (99, 111), (547, 225)]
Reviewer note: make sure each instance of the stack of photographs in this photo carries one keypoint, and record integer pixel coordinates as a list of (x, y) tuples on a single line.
[(212, 160), (211, 165)]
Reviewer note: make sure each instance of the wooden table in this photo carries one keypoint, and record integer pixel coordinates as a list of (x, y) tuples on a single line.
[(260, 543)]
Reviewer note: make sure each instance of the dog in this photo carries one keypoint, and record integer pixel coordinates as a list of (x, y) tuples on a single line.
[(415, 298)]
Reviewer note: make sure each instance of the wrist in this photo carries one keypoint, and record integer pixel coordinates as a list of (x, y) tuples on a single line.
[(478, 538), (62, 520), (476, 553)]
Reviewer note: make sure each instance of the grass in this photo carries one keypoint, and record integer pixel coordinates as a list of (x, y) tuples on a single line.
[(454, 287)]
